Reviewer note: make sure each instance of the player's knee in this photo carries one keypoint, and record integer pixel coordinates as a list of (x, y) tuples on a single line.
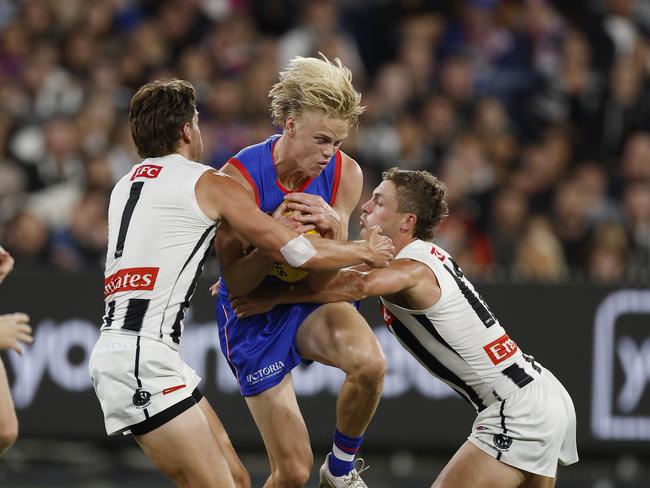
[(371, 370), (293, 479), (294, 473), (8, 435)]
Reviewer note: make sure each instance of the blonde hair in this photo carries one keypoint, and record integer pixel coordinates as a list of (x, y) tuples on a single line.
[(311, 84)]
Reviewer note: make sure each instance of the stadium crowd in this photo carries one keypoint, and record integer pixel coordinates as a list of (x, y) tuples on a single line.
[(535, 113)]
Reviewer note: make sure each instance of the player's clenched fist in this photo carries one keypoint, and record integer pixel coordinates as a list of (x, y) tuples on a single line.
[(14, 329), (382, 247)]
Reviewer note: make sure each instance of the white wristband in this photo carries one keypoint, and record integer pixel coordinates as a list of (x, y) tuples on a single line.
[(298, 251)]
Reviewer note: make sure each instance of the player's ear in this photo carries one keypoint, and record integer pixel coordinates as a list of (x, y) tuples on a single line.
[(186, 131), (290, 125), (408, 222)]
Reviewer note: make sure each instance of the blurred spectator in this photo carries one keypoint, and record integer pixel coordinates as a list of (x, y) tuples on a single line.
[(545, 29), (625, 106), (636, 201), (28, 238), (608, 255), (82, 244), (319, 31), (570, 210), (419, 37), (635, 161), (494, 129), (524, 107), (539, 253), (507, 223), (592, 182)]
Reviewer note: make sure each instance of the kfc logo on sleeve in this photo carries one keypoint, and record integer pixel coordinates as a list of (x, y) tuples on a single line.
[(146, 171), (129, 279), (501, 349)]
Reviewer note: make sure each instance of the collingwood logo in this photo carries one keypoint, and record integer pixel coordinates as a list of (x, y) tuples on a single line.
[(141, 398), (265, 372), (502, 442)]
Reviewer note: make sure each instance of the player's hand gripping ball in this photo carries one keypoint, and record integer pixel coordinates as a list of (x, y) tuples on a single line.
[(286, 272)]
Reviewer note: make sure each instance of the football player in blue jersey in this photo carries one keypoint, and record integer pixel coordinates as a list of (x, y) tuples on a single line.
[(316, 105)]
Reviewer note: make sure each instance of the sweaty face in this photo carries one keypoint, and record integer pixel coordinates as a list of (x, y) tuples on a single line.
[(313, 139), (381, 210)]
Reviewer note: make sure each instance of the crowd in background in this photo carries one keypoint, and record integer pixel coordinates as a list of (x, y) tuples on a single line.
[(535, 113)]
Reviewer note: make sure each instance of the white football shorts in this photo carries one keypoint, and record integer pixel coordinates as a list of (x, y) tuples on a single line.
[(532, 430), (141, 383)]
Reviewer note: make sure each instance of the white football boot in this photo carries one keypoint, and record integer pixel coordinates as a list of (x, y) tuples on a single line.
[(350, 480)]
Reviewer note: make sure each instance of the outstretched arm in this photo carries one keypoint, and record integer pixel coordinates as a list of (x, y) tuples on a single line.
[(349, 285), (244, 266), (220, 196)]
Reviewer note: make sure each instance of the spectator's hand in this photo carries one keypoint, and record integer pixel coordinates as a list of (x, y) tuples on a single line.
[(312, 209), (14, 329), (6, 263)]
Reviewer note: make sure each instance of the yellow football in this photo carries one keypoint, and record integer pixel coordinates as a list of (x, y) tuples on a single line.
[(286, 272)]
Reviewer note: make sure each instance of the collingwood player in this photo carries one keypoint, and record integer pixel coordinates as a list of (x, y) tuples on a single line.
[(162, 218), (526, 420)]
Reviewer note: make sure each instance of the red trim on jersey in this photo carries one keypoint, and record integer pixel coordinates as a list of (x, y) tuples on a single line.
[(284, 189), (337, 177), (242, 169)]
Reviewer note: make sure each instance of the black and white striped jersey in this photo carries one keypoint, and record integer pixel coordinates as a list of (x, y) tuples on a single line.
[(158, 241), (458, 339)]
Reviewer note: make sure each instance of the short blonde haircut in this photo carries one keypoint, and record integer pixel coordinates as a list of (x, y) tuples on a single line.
[(310, 84)]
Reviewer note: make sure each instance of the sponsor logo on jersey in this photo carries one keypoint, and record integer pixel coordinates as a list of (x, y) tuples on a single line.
[(265, 372), (172, 389), (141, 398), (436, 252), (128, 279), (502, 442), (387, 315), (146, 171), (501, 349)]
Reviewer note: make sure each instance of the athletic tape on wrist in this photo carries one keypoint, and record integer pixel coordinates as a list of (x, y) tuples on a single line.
[(298, 251)]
